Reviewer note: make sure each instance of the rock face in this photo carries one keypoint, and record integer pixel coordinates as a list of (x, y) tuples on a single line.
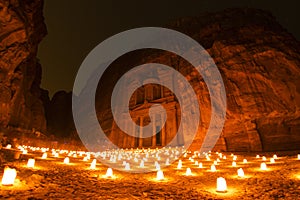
[(21, 29), (59, 115), (259, 62)]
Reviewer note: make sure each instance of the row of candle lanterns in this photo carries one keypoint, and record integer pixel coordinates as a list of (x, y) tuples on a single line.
[(158, 151), (31, 163), (10, 175), (160, 176)]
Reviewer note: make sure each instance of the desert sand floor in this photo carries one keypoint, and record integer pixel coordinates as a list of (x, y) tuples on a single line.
[(52, 179)]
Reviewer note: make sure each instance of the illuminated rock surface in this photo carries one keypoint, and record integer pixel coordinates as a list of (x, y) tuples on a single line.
[(259, 62), (21, 29)]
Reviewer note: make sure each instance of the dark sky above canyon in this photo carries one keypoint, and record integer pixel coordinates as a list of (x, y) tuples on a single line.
[(76, 27)]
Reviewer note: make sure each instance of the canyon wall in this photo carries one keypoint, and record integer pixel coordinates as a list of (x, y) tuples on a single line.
[(22, 28), (259, 62), (59, 115), (260, 65)]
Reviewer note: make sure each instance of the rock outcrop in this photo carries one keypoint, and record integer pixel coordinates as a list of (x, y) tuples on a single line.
[(22, 28), (59, 115), (259, 62)]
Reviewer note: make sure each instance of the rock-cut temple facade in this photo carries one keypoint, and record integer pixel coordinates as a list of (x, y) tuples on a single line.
[(140, 102)]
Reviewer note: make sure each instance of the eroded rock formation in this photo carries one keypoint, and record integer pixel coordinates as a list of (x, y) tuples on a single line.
[(21, 29), (259, 62), (59, 115)]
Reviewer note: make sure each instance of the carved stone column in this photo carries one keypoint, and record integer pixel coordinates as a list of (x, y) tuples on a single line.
[(175, 128), (133, 133), (141, 132), (125, 138), (163, 132), (154, 131)]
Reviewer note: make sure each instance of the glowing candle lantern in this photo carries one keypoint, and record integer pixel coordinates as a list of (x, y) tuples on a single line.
[(275, 156), (109, 173), (200, 165), (272, 160), (240, 172), (257, 156), (24, 151), (157, 167), (245, 161), (213, 168), (85, 159), (30, 162), (264, 158), (89, 156), (179, 166), (93, 164), (221, 185), (160, 175), (9, 176), (207, 158), (8, 146), (215, 162), (196, 162), (263, 166), (233, 164), (188, 172), (142, 164), (119, 157), (168, 161), (298, 157), (67, 160), (234, 158), (44, 156), (127, 166), (56, 155), (224, 157)]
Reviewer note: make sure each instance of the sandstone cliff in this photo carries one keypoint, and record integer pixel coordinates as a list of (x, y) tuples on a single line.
[(21, 29), (59, 115), (259, 62)]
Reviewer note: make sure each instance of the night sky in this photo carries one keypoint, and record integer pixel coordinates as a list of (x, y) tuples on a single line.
[(76, 27)]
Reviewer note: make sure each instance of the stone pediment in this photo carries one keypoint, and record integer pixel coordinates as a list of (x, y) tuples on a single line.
[(145, 105), (163, 101)]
